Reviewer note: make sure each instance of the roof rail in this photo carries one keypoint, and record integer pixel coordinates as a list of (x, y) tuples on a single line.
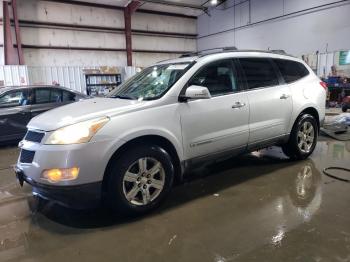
[(210, 50), (278, 51)]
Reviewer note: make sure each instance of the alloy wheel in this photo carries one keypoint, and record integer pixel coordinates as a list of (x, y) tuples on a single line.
[(143, 181), (306, 137)]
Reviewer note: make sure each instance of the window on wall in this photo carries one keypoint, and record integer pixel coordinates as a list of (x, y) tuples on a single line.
[(291, 70), (218, 77), (259, 72)]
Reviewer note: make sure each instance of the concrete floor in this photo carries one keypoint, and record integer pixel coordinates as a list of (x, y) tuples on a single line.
[(258, 207)]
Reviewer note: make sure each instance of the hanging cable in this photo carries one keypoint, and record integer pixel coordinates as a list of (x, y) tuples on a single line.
[(325, 171)]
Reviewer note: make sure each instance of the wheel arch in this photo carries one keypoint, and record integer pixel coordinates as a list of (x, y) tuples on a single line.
[(158, 140), (312, 111)]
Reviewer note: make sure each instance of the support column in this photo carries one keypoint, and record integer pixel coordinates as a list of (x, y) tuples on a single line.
[(10, 53), (128, 11), (18, 33)]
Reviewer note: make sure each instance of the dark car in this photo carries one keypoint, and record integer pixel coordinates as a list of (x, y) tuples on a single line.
[(346, 104), (19, 104)]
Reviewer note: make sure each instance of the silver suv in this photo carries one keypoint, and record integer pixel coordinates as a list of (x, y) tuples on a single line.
[(128, 148)]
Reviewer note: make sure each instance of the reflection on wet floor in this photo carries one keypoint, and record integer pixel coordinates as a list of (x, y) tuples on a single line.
[(257, 207)]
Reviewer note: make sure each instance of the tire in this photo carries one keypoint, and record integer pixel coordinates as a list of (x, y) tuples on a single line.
[(295, 149), (344, 108), (120, 185)]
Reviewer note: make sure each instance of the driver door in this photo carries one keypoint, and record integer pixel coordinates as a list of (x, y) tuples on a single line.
[(14, 114), (219, 124)]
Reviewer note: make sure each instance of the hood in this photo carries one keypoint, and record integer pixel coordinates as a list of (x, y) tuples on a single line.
[(83, 110)]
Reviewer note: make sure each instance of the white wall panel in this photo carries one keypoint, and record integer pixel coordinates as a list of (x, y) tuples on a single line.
[(147, 59), (241, 14), (261, 10), (50, 57), (296, 5), (59, 37), (71, 14), (163, 43), (298, 34), (163, 23)]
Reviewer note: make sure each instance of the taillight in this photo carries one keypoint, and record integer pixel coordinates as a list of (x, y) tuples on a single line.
[(324, 85)]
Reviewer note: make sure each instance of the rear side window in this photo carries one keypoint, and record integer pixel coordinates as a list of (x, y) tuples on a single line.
[(68, 96), (56, 96), (42, 96), (259, 72), (291, 70)]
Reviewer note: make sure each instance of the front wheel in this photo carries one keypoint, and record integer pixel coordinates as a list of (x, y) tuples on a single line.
[(303, 138), (344, 108), (139, 180)]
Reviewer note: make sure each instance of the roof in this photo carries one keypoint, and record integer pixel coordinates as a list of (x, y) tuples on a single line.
[(7, 88), (190, 57)]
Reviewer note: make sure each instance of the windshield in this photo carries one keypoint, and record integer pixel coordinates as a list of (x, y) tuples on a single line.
[(151, 83)]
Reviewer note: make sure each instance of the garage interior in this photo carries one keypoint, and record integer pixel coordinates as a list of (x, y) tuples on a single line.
[(259, 206)]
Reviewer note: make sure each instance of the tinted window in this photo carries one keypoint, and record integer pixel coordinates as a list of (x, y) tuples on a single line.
[(56, 96), (42, 96), (259, 72), (291, 70), (218, 77), (14, 98), (68, 96)]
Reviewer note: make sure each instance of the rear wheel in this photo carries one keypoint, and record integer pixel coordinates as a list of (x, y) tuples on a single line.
[(303, 138), (139, 180)]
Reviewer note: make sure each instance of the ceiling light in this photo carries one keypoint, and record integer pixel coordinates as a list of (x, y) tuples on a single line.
[(213, 2)]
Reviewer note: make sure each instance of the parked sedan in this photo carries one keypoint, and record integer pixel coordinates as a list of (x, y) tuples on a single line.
[(19, 104)]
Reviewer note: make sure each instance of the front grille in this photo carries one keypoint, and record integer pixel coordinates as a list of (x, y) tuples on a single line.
[(26, 156), (34, 136)]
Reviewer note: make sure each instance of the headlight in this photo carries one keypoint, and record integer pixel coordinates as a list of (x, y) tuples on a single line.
[(77, 133)]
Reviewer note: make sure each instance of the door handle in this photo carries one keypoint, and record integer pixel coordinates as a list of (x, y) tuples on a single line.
[(284, 96), (238, 105)]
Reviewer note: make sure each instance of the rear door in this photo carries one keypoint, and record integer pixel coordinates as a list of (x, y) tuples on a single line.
[(269, 99), (14, 114)]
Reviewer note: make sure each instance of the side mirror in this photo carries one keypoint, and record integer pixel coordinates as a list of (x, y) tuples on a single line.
[(196, 92)]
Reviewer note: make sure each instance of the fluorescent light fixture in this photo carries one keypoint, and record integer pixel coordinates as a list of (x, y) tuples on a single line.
[(213, 2)]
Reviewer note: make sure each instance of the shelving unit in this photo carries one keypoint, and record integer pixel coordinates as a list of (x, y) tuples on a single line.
[(101, 84)]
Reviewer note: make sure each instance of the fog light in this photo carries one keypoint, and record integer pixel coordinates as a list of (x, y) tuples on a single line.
[(60, 174)]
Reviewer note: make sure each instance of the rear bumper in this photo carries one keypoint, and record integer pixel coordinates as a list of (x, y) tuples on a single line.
[(77, 196)]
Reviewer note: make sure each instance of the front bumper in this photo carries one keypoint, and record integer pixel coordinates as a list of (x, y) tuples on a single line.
[(77, 196)]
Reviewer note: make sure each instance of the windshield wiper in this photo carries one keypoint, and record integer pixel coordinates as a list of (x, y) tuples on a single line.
[(124, 97)]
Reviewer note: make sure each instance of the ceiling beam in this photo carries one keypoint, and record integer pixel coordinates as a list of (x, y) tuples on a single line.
[(170, 3)]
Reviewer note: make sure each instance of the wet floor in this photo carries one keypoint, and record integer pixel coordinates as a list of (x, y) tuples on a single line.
[(258, 207)]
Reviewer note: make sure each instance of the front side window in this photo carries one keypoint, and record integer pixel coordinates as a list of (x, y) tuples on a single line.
[(14, 98), (259, 72), (291, 70), (151, 83), (218, 77)]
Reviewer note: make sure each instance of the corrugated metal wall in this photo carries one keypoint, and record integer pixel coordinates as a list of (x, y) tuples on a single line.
[(68, 76)]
